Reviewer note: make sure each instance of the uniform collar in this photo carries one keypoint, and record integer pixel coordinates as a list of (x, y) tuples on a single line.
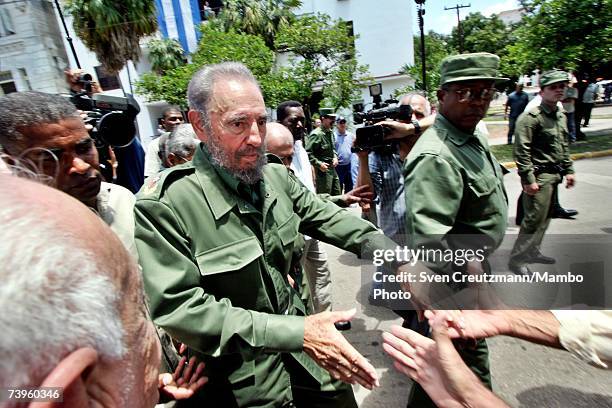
[(455, 135), (219, 187), (547, 110)]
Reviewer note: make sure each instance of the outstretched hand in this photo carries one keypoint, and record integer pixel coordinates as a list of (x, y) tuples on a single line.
[(361, 194), (328, 348), (185, 381)]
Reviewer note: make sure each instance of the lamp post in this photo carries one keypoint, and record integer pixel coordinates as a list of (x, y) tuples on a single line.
[(61, 15), (421, 13)]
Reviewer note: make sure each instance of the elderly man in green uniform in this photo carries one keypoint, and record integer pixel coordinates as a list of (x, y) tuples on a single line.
[(455, 196), (216, 235), (542, 158), (320, 148)]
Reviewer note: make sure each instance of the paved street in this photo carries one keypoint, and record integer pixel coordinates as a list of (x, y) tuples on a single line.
[(524, 375)]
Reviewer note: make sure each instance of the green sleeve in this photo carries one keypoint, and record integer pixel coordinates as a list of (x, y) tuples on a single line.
[(525, 129), (337, 199), (566, 160), (325, 221), (180, 305), (311, 141), (433, 190)]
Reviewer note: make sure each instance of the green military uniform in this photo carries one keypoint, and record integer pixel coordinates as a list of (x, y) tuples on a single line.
[(320, 148), (215, 255), (542, 156), (455, 195)]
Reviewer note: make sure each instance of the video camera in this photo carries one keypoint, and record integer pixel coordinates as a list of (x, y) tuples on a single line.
[(372, 136), (112, 117)]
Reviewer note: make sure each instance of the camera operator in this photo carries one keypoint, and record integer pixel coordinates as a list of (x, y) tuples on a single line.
[(81, 82), (381, 169)]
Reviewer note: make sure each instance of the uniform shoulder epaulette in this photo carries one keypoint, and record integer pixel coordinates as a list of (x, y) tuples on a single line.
[(535, 111), (155, 185)]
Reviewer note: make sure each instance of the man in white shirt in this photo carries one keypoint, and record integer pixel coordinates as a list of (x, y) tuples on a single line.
[(171, 117)]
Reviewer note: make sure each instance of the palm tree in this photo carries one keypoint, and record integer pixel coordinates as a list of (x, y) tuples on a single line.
[(113, 28), (165, 54), (258, 17)]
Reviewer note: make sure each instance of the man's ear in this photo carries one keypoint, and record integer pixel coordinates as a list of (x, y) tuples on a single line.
[(440, 94), (198, 127), (70, 375)]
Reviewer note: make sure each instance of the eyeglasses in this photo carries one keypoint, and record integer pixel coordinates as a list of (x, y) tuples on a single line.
[(468, 95)]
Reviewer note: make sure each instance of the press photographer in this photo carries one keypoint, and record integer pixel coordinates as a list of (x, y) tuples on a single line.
[(112, 127)]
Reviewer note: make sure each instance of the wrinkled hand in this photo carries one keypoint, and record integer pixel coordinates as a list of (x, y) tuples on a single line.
[(328, 348), (570, 181), (531, 189), (185, 381), (335, 162), (324, 167), (435, 364), (470, 324), (361, 194)]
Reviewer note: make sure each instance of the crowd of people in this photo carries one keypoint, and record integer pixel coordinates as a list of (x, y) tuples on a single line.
[(214, 272)]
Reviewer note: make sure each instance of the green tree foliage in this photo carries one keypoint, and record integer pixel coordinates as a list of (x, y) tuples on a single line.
[(263, 18), (571, 34), (217, 46), (436, 49), (322, 53), (165, 54), (113, 29), (482, 34)]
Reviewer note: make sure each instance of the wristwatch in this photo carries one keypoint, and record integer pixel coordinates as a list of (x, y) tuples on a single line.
[(417, 127)]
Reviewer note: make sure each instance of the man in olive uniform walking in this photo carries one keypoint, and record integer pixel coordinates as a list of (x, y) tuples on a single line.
[(542, 158), (455, 196), (320, 148), (216, 237)]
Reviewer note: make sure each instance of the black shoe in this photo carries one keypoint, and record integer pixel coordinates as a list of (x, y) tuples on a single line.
[(561, 212), (541, 259), (520, 270)]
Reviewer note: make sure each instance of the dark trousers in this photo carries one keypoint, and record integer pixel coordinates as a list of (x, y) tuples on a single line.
[(511, 126), (587, 108), (344, 174)]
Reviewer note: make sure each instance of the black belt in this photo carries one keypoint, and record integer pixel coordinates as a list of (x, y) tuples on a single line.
[(549, 168)]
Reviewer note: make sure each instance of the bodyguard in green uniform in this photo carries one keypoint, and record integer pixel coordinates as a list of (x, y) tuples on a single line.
[(455, 196), (215, 238), (320, 148), (541, 152)]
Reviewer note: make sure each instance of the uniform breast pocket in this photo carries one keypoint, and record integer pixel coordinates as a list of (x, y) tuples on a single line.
[(480, 191), (288, 230), (231, 271)]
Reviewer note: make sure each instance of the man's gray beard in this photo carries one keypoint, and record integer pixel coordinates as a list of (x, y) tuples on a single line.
[(221, 158)]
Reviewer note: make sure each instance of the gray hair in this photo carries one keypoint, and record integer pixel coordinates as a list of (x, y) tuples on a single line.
[(408, 97), (200, 89), (181, 142), (55, 295), (23, 109)]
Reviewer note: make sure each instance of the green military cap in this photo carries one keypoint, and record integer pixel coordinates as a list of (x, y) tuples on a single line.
[(468, 67), (327, 112), (552, 77)]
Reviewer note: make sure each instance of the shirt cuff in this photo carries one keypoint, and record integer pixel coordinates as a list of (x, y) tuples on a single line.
[(528, 178), (284, 333)]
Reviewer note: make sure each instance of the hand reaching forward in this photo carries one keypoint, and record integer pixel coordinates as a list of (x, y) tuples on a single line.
[(328, 348), (471, 324), (185, 381), (436, 365)]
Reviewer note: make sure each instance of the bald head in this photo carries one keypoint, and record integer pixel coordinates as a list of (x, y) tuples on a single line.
[(75, 294), (419, 104), (279, 141)]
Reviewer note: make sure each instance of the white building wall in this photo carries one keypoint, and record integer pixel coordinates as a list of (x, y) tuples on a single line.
[(34, 54), (385, 35)]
